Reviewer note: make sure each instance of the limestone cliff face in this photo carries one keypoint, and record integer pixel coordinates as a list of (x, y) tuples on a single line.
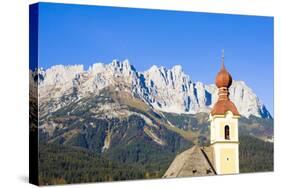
[(112, 108), (167, 90)]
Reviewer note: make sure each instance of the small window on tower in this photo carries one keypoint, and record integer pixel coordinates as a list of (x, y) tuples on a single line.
[(226, 132)]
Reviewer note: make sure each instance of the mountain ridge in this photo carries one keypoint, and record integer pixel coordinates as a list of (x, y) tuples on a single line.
[(124, 116), (167, 90)]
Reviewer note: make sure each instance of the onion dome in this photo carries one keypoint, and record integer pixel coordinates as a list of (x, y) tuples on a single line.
[(223, 78), (224, 104)]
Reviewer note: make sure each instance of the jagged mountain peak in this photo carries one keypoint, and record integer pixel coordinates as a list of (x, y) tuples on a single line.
[(121, 66), (167, 76), (65, 69), (169, 90), (177, 68), (153, 68), (96, 67)]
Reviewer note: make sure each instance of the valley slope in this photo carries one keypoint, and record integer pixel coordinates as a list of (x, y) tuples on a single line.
[(130, 118)]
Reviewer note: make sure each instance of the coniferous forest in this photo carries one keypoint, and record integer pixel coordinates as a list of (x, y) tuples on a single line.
[(255, 155), (65, 164), (60, 165)]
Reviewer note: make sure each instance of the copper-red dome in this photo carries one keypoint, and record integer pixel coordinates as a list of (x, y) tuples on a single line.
[(223, 78), (223, 82)]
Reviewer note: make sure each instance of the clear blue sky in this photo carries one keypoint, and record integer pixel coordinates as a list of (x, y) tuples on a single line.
[(74, 34)]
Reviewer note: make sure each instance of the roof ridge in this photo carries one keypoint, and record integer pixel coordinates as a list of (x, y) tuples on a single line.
[(208, 160)]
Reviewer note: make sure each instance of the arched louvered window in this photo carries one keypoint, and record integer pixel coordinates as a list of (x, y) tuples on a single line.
[(226, 132)]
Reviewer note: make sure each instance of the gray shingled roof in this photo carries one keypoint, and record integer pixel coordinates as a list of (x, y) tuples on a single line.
[(195, 161)]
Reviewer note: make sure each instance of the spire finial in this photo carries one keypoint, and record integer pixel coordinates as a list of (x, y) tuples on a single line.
[(222, 59)]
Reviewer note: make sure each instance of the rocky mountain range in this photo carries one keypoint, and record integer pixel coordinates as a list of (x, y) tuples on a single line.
[(116, 95), (139, 119), (166, 90)]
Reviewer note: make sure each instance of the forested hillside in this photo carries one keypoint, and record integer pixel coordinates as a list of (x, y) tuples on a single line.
[(60, 164), (255, 155)]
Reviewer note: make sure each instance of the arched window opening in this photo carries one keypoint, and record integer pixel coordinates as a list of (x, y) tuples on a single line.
[(226, 132)]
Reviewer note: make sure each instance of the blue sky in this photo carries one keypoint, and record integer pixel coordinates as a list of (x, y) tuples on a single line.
[(74, 34)]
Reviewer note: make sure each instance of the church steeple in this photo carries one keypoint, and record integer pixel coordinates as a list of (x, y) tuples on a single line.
[(224, 117)]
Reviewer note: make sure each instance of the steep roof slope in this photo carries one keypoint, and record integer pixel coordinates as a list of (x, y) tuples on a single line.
[(195, 161)]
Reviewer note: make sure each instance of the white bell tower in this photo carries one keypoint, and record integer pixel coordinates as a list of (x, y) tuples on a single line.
[(224, 127)]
